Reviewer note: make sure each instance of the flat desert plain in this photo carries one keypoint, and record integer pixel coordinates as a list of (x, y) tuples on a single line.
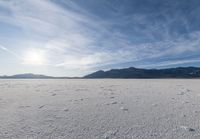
[(100, 109)]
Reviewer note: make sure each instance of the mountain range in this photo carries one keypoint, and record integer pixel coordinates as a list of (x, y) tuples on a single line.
[(33, 76), (132, 72), (180, 72)]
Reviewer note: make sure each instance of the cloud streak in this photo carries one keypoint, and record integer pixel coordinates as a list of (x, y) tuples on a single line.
[(8, 51)]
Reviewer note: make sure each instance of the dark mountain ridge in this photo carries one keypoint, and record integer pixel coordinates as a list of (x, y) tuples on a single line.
[(180, 72)]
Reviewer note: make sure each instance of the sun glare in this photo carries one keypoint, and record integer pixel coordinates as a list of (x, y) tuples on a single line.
[(34, 57)]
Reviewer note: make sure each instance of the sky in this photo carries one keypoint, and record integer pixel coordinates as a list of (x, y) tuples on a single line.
[(77, 37)]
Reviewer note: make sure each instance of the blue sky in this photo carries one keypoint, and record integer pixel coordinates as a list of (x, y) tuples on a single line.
[(76, 37)]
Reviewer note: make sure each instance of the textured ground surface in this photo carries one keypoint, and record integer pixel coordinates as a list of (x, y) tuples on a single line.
[(100, 109)]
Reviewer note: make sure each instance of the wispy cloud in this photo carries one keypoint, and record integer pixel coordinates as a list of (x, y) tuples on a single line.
[(8, 51), (170, 63)]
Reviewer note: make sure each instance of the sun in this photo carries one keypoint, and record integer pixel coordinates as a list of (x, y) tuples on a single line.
[(34, 57)]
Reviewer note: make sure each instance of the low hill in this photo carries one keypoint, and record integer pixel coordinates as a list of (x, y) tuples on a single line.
[(26, 76), (33, 76)]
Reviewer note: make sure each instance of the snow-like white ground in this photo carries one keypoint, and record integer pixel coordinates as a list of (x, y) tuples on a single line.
[(100, 109)]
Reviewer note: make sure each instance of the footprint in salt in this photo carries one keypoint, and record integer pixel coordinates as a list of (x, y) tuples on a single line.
[(53, 94), (110, 134), (188, 90), (124, 109), (154, 105), (112, 93), (24, 106), (187, 128), (184, 115), (41, 106), (185, 102), (181, 93), (66, 110), (114, 102), (196, 111)]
